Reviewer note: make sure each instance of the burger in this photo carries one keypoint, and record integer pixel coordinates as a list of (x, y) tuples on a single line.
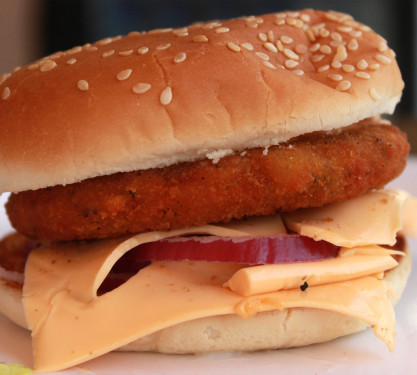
[(217, 187)]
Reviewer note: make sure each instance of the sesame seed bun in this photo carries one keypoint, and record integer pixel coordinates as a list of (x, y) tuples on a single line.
[(153, 99), (266, 330)]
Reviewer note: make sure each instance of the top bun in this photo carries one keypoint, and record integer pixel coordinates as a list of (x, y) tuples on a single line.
[(152, 99)]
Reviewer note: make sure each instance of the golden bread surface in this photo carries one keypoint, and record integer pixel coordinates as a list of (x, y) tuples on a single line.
[(153, 99)]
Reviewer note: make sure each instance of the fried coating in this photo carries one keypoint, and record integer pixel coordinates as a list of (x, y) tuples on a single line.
[(308, 171), (14, 249)]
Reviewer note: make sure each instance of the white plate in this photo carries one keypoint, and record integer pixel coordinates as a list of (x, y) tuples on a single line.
[(362, 353)]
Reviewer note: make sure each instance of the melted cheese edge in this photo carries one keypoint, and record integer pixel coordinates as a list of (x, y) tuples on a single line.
[(70, 324)]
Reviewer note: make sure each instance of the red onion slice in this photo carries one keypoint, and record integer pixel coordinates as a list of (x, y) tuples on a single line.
[(242, 250)]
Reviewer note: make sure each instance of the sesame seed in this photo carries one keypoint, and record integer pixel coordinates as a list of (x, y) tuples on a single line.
[(180, 57), (252, 25), (356, 33), (180, 31), (286, 39), (108, 53), (364, 28), (343, 86), (301, 48), (158, 31), (315, 47), (234, 47), (351, 22), (279, 22), (83, 85), (325, 49), (71, 61), (323, 68), (16, 69), (133, 33), (335, 77), (279, 45), (293, 14), (211, 25), (74, 50), (331, 17), (374, 66), (291, 64), (141, 88), (48, 65), (335, 43), (126, 53), (259, 20), (3, 77), (104, 41), (363, 75), (291, 54), (166, 96), (341, 53), (6, 93), (362, 64), (270, 47), (374, 94), (348, 68), (90, 48), (299, 72), (345, 18), (336, 64), (383, 59), (269, 65), (33, 66), (353, 45), (305, 18), (336, 36), (324, 33), (221, 30), (317, 58), (200, 39), (271, 36), (124, 74), (262, 55), (344, 29), (247, 46), (310, 35), (161, 47), (262, 37), (143, 50), (291, 21)]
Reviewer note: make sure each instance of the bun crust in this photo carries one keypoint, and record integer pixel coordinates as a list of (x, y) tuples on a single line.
[(153, 99), (267, 330)]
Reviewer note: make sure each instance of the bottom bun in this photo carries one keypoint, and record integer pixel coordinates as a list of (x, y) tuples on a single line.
[(267, 330)]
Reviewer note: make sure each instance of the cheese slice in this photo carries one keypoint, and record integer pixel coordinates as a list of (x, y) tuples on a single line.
[(348, 223), (249, 281), (70, 324), (364, 298)]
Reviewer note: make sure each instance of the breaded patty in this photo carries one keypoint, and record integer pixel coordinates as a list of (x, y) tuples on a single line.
[(308, 171)]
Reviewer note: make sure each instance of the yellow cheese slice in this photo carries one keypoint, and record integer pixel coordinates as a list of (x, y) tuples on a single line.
[(70, 324), (348, 223), (249, 281), (364, 298)]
